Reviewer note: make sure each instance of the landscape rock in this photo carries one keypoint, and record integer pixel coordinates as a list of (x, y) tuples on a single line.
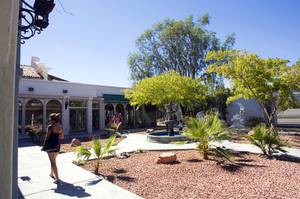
[(149, 131), (166, 158), (123, 155), (75, 142)]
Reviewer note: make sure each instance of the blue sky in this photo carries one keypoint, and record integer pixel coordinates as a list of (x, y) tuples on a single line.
[(92, 45)]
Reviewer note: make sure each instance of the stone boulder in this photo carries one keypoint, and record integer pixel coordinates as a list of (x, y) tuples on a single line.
[(149, 131), (75, 142), (123, 155), (167, 158)]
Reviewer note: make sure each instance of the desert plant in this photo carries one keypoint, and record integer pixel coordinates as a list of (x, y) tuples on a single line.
[(97, 150), (206, 131), (267, 139)]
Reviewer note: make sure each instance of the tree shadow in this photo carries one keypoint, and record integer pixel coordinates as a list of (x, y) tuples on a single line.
[(25, 178), (194, 160), (126, 178), (238, 166), (119, 171), (171, 163), (287, 158), (71, 190), (110, 178), (93, 182)]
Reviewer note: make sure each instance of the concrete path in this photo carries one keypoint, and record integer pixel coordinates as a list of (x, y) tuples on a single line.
[(135, 142), (34, 182)]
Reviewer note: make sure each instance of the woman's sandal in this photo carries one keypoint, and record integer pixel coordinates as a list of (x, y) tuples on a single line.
[(52, 176)]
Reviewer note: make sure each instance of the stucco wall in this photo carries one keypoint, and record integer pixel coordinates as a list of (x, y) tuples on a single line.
[(55, 88)]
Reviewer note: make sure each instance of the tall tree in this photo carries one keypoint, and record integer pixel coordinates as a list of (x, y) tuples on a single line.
[(179, 45), (270, 81), (167, 88)]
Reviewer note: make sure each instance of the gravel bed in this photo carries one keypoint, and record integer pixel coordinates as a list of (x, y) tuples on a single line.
[(251, 177), (293, 140)]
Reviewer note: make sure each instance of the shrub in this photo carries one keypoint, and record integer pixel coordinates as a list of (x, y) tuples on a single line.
[(267, 140), (97, 150), (206, 131)]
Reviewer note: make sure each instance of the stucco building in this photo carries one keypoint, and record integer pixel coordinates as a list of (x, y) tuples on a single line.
[(83, 107)]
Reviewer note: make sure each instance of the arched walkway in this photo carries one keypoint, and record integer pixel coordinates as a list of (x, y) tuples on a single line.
[(53, 106), (109, 113), (129, 116), (33, 116)]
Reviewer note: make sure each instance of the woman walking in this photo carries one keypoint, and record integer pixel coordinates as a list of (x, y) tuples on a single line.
[(52, 143)]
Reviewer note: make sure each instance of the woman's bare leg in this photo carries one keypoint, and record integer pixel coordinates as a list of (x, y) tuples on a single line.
[(51, 172), (52, 157)]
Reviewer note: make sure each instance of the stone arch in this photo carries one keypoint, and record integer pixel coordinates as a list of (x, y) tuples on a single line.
[(109, 113), (129, 115), (120, 109), (33, 116), (53, 106)]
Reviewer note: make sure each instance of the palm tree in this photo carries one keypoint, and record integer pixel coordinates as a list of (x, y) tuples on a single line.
[(267, 140), (206, 131), (97, 151)]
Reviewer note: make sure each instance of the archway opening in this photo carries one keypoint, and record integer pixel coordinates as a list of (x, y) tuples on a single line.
[(109, 113), (53, 106), (33, 116)]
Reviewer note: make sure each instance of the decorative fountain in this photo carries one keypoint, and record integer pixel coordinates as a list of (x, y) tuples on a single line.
[(169, 135)]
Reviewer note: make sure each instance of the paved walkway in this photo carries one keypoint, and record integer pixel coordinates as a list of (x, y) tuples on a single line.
[(135, 142), (34, 181)]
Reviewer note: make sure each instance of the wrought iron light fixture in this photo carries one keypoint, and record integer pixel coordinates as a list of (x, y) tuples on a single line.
[(34, 19)]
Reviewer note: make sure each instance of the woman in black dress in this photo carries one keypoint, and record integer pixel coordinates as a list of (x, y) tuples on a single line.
[(52, 143)]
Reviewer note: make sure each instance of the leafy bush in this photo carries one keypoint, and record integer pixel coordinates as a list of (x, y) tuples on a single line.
[(97, 150), (267, 140), (254, 121), (206, 131)]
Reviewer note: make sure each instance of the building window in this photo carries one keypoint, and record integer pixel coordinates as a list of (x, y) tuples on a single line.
[(96, 115), (78, 115)]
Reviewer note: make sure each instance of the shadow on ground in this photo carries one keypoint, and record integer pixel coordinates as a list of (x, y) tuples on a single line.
[(194, 160), (288, 158), (113, 179), (69, 189)]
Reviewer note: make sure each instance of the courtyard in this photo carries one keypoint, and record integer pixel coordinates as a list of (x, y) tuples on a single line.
[(251, 175)]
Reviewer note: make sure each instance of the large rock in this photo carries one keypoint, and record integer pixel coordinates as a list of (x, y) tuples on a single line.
[(166, 158), (75, 142)]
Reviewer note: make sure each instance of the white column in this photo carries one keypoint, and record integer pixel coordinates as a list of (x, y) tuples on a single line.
[(23, 116), (102, 113), (45, 114), (90, 116), (9, 14), (65, 115)]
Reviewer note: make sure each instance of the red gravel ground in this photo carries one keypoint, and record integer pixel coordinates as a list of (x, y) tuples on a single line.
[(191, 177), (293, 140)]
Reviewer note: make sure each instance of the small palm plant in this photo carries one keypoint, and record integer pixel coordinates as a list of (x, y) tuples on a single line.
[(267, 140), (97, 150), (206, 131)]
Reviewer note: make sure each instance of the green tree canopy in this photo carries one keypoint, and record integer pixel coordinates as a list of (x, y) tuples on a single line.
[(179, 45), (270, 81), (166, 88)]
